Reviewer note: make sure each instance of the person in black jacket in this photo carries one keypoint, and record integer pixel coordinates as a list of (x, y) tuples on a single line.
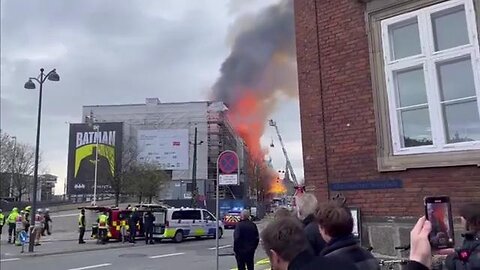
[(288, 249), (307, 206), (336, 227), (245, 241), (467, 257), (149, 220), (132, 224)]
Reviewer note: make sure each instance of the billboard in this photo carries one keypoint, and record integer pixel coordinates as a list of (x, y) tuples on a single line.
[(167, 148), (82, 149)]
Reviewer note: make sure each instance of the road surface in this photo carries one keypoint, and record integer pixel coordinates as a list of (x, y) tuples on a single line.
[(190, 254)]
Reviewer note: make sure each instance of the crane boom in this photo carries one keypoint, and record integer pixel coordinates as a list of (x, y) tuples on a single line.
[(289, 165)]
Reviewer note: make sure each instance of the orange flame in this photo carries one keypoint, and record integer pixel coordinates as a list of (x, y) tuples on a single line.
[(248, 118)]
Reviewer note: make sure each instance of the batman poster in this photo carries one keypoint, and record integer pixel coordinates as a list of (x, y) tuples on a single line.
[(85, 144)]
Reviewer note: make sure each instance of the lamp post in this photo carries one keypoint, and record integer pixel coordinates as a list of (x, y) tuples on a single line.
[(91, 120), (194, 168), (13, 166), (96, 128), (52, 76)]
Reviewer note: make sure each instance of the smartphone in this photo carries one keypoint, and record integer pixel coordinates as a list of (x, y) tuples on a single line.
[(438, 211)]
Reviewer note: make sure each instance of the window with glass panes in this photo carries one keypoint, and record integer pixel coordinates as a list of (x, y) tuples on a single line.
[(432, 69)]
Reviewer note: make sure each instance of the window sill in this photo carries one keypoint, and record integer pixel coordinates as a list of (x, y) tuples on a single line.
[(428, 160), (430, 149)]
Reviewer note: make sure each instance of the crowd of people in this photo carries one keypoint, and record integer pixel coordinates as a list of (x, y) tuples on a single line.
[(132, 222), (317, 236), (20, 221)]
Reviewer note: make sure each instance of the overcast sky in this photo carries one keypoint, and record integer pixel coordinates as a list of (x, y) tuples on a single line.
[(114, 52)]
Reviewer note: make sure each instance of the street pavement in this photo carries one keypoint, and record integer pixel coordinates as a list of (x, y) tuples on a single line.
[(60, 251)]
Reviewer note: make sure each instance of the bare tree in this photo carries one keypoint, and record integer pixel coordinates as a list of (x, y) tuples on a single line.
[(146, 180), (23, 170), (6, 155), (17, 160)]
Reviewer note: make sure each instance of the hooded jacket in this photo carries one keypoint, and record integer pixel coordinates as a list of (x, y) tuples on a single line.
[(307, 261), (347, 248)]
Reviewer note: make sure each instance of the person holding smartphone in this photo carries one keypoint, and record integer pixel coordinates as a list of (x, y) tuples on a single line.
[(420, 247), (468, 256), (465, 258)]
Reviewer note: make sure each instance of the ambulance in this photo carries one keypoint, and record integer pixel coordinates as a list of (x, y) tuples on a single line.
[(179, 224)]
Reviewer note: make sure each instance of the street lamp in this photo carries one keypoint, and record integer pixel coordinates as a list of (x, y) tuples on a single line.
[(52, 76), (14, 138), (96, 128), (194, 168), (91, 120)]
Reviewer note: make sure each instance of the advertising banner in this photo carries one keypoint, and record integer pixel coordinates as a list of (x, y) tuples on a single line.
[(82, 150), (167, 148)]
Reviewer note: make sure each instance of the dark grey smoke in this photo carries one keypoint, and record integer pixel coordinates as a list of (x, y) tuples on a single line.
[(262, 58)]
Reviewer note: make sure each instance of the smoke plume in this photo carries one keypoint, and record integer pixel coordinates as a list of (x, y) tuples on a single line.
[(262, 57), (260, 69)]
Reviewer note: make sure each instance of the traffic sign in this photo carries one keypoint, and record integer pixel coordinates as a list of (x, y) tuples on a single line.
[(227, 174), (228, 162), (227, 179)]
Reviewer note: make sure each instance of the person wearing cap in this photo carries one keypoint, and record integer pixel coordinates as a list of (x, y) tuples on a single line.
[(103, 227), (11, 220), (2, 221), (81, 226), (37, 230), (19, 227)]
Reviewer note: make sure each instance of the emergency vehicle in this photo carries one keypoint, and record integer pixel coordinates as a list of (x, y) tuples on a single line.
[(178, 224), (117, 218), (231, 219)]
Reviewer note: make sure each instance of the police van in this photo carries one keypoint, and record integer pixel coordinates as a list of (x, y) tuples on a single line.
[(181, 223)]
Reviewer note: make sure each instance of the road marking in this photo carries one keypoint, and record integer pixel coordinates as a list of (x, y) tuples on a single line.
[(261, 263), (220, 247), (9, 260), (66, 215), (91, 266), (265, 261), (166, 255)]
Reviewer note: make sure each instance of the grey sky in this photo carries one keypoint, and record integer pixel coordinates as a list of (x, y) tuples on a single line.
[(113, 52)]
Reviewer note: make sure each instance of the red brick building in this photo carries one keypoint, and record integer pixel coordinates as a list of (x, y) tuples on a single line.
[(389, 97)]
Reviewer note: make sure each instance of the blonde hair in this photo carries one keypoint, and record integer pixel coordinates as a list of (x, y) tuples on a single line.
[(307, 204)]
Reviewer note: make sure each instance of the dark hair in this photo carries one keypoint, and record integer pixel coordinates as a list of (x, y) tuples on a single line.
[(286, 237), (335, 219), (471, 213)]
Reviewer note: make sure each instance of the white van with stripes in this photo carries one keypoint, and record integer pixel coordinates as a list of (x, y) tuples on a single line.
[(182, 223)]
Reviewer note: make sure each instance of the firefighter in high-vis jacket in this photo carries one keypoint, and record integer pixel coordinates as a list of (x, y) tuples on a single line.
[(103, 227), (2, 221), (11, 220), (19, 227), (37, 230)]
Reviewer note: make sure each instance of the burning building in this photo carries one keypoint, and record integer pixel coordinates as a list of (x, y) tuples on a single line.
[(261, 67), (173, 127)]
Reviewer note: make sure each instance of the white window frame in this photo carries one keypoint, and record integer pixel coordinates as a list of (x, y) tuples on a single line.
[(429, 59)]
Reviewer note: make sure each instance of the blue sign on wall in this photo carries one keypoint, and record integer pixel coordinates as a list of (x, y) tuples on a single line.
[(367, 184)]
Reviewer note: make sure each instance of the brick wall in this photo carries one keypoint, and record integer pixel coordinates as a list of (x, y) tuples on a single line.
[(338, 120)]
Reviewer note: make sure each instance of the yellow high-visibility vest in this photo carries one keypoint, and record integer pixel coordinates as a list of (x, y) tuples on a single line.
[(102, 221), (80, 225)]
